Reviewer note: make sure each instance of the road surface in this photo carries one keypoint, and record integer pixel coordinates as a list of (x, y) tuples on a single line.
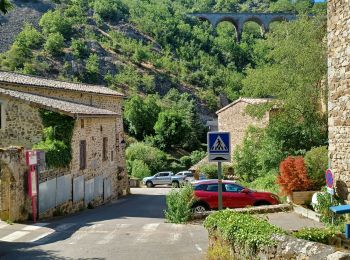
[(129, 228)]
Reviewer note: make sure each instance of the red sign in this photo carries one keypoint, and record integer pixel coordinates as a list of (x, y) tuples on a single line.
[(31, 158), (329, 178)]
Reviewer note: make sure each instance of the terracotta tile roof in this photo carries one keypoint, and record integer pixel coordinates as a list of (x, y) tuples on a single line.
[(252, 101), (21, 79), (57, 105)]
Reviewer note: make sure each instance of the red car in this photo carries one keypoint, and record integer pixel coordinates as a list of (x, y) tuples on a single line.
[(233, 196)]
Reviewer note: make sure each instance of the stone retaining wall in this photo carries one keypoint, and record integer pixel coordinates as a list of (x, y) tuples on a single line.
[(287, 247)]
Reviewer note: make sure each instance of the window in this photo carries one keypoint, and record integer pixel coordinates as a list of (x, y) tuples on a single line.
[(82, 123), (233, 188), (200, 187), (212, 187), (82, 154), (189, 174), (104, 149), (112, 156)]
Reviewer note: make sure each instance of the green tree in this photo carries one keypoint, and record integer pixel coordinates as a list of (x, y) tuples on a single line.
[(54, 43), (55, 22), (92, 68), (79, 48), (5, 6), (316, 161), (29, 37), (141, 116), (140, 169), (110, 9)]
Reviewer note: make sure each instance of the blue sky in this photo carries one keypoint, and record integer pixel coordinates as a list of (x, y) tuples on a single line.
[(320, 1)]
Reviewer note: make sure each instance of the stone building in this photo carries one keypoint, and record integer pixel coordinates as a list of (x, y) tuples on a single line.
[(234, 119), (339, 93), (97, 140)]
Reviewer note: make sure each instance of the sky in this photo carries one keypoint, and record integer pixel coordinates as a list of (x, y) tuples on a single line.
[(320, 1)]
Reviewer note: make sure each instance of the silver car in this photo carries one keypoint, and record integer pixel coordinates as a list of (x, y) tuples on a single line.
[(163, 178), (188, 175)]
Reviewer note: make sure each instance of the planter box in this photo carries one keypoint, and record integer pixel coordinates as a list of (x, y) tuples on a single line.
[(301, 197)]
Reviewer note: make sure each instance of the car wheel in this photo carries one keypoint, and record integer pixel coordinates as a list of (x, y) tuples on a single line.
[(175, 184), (199, 208), (149, 184)]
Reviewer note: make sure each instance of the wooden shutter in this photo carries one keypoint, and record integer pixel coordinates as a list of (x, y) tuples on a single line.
[(82, 154), (104, 148)]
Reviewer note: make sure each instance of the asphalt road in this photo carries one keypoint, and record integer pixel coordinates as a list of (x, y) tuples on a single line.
[(129, 228)]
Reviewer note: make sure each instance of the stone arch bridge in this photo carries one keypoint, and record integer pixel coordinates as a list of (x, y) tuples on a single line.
[(238, 19)]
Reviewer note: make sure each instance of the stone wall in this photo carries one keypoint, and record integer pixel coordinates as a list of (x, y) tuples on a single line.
[(339, 93), (15, 203), (22, 125), (235, 120), (287, 247)]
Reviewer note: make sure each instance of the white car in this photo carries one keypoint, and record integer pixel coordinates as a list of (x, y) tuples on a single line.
[(163, 178), (188, 175)]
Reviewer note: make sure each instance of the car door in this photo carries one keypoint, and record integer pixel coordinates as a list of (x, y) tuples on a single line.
[(233, 197), (212, 195)]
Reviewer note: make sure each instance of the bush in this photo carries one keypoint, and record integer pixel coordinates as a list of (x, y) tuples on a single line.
[(210, 170), (196, 156), (186, 161), (55, 22), (78, 48), (293, 175), (320, 235), (324, 201), (140, 169), (154, 158), (316, 161), (110, 9), (266, 183), (242, 228), (91, 68), (29, 37), (179, 204), (54, 43)]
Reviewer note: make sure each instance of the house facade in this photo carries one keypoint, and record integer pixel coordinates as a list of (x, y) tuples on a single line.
[(339, 94), (97, 171), (233, 118)]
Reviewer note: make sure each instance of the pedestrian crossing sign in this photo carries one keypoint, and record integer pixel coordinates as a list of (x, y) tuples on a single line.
[(219, 147)]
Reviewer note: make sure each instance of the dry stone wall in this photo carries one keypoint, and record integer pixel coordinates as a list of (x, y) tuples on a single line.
[(339, 93), (23, 125)]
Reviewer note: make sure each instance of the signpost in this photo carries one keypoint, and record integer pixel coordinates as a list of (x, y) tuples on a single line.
[(219, 151), (31, 159)]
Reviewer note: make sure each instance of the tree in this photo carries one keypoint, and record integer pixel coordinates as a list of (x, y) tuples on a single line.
[(141, 116), (54, 43), (5, 6), (55, 22), (114, 10), (29, 37), (171, 129), (92, 68)]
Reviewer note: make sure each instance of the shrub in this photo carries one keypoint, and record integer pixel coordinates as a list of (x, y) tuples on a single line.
[(154, 158), (242, 228), (324, 201), (293, 175), (54, 22), (91, 68), (186, 161), (316, 161), (179, 204), (210, 170), (110, 9), (140, 169), (54, 43), (29, 37), (78, 48), (196, 156), (266, 183), (321, 235)]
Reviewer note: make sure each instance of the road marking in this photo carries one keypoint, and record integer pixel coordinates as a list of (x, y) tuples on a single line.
[(42, 236), (147, 229), (83, 232), (176, 234), (64, 227), (198, 248), (14, 236), (3, 224), (35, 226)]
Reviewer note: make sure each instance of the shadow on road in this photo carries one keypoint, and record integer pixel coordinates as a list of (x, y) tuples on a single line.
[(132, 206)]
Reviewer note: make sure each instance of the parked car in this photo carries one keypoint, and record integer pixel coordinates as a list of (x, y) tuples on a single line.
[(163, 178), (188, 175), (233, 196)]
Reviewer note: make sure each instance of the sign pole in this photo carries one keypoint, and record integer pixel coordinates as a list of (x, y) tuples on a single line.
[(220, 185)]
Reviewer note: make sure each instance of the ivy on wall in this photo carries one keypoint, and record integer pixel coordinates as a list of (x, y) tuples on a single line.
[(57, 136)]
